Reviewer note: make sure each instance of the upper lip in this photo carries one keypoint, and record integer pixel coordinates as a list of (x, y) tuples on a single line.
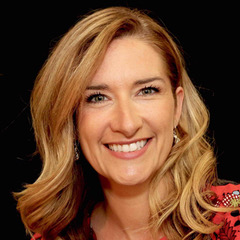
[(126, 142)]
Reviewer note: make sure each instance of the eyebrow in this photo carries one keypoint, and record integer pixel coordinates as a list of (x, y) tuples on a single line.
[(98, 87), (138, 82), (148, 80)]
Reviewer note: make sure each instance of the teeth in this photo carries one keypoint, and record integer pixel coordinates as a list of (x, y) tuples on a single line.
[(128, 147)]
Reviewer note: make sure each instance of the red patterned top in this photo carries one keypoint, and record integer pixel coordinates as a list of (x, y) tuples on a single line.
[(228, 196)]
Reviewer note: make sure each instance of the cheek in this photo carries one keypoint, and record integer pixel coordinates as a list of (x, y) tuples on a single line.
[(161, 116), (161, 123), (86, 131), (91, 126)]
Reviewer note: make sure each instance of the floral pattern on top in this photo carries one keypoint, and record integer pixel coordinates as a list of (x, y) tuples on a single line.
[(227, 196)]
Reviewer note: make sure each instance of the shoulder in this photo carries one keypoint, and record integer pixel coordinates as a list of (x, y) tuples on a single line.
[(228, 195), (37, 236)]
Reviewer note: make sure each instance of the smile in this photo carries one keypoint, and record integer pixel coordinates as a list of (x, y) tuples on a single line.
[(132, 147)]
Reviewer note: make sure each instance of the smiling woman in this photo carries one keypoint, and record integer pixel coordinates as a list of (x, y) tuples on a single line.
[(121, 132), (145, 105)]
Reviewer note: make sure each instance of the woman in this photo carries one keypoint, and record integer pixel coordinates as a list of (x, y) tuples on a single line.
[(121, 132)]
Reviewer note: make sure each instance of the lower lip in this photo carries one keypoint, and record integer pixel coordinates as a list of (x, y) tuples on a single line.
[(130, 155)]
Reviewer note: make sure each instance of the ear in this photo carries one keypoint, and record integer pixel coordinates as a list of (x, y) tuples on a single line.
[(179, 96)]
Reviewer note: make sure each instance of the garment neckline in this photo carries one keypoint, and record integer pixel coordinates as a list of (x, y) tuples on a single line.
[(92, 233)]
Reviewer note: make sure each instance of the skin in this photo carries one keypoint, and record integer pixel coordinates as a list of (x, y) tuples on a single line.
[(129, 99)]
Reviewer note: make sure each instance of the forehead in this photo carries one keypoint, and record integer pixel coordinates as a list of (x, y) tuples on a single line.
[(129, 58)]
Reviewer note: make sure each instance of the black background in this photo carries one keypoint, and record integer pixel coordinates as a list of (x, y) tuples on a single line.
[(207, 32)]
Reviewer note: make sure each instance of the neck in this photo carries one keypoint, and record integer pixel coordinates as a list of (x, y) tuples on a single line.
[(125, 213), (128, 204)]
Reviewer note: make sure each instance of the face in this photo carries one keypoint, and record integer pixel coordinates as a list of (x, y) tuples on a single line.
[(127, 117)]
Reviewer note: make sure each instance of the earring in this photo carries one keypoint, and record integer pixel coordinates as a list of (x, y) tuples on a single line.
[(175, 136), (76, 151)]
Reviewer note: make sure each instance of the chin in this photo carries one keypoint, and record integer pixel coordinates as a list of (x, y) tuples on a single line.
[(131, 180)]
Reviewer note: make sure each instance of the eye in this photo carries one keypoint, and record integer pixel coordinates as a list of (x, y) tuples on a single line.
[(96, 98), (148, 91)]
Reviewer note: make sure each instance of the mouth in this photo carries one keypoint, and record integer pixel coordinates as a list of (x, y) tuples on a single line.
[(126, 148)]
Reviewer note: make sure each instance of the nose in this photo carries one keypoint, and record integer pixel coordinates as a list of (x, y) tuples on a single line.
[(126, 119)]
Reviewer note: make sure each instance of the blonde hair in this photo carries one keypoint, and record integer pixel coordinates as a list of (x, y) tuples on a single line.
[(58, 203)]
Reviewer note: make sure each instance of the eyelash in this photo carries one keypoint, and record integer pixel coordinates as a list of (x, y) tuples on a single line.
[(90, 98), (152, 88)]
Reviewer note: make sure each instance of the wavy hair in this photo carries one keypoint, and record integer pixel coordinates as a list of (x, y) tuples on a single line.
[(58, 203)]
